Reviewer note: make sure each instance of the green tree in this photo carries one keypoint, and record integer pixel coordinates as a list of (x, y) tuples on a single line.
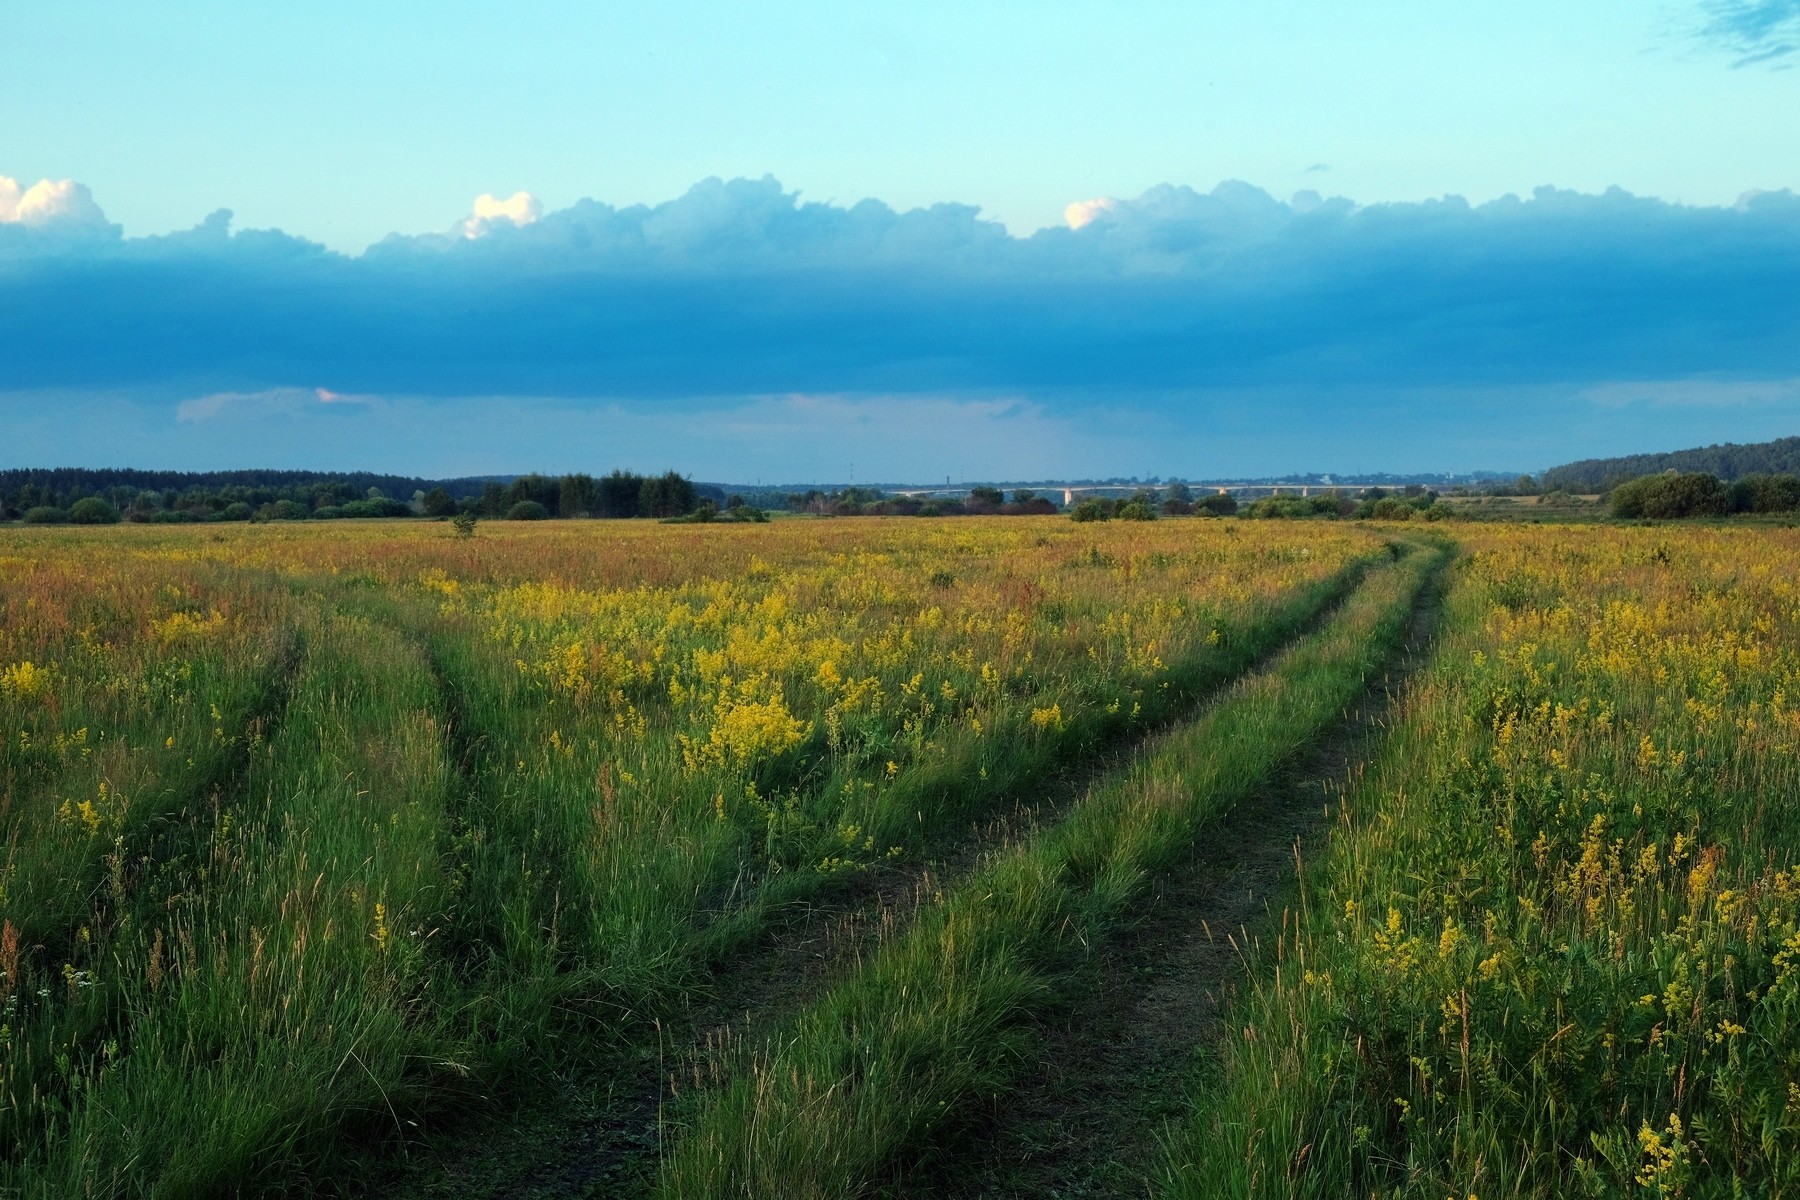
[(1136, 509), (93, 511), (1766, 494), (986, 497), (1670, 496), (577, 496), (438, 503), (619, 494), (1094, 508), (666, 495), (1220, 504)]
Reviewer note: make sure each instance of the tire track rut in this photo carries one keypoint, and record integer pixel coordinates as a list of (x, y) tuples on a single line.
[(1118, 1059)]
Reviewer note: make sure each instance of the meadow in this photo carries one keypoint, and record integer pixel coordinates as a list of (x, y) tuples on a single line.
[(329, 848)]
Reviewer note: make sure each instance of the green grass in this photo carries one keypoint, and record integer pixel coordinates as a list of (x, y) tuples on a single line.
[(362, 889), (246, 1021), (897, 1057), (1551, 950)]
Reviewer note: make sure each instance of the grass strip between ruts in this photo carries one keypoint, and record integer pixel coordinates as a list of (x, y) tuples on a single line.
[(902, 1053)]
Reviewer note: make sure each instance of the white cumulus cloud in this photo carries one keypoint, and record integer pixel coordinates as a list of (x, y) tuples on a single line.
[(1086, 212), (48, 202), (520, 208)]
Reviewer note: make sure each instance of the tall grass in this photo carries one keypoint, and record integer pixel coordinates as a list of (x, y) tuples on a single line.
[(1554, 949), (900, 1053), (277, 1000), (389, 819)]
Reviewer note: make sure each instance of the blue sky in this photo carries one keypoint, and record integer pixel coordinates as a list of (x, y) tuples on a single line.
[(910, 300)]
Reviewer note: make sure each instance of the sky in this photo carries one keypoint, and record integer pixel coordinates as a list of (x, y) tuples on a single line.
[(896, 242)]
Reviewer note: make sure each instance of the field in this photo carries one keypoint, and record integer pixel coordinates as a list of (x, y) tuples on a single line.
[(882, 857)]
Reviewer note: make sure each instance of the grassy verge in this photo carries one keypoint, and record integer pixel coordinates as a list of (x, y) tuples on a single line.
[(900, 1054)]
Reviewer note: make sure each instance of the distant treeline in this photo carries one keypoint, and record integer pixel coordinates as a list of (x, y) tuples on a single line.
[(101, 497), (870, 502), (1729, 462)]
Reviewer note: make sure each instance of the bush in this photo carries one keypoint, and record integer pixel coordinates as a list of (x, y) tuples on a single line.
[(1388, 508), (1219, 505), (1136, 510), (377, 506), (527, 510), (983, 499), (1094, 508), (44, 514), (930, 510), (1294, 507), (287, 510), (1177, 508), (1670, 496), (236, 512), (93, 511)]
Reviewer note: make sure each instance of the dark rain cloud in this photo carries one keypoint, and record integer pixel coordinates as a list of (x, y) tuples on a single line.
[(739, 288)]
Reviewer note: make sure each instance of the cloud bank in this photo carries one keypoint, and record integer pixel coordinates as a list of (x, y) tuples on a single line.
[(1195, 311)]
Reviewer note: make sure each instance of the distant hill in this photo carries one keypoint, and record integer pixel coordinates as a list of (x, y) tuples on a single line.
[(1729, 461)]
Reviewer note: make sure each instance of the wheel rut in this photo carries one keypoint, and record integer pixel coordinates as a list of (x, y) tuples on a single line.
[(1117, 1061), (598, 1131)]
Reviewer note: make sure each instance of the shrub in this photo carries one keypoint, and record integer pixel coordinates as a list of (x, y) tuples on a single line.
[(1294, 507), (1136, 510), (1219, 505), (527, 510), (1094, 508), (930, 510), (93, 511), (464, 524), (1177, 508), (1388, 508), (288, 510), (983, 498), (377, 506), (44, 514), (238, 511)]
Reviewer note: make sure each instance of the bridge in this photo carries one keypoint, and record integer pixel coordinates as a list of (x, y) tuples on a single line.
[(1073, 492)]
